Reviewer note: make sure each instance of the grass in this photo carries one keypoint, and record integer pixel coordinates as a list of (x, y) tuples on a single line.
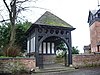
[(4, 57), (11, 57)]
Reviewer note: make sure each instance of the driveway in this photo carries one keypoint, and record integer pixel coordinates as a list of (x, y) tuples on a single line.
[(83, 71)]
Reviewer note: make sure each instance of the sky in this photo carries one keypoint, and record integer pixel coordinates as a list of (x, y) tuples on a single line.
[(74, 12)]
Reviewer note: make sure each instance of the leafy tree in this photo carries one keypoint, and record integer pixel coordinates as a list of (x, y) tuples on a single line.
[(21, 28), (20, 39), (61, 48), (75, 50), (61, 45), (13, 8), (4, 35)]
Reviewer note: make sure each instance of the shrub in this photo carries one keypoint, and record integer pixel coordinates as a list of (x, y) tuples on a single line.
[(12, 51), (60, 53)]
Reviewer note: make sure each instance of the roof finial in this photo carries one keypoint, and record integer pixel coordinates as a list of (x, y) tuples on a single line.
[(98, 3)]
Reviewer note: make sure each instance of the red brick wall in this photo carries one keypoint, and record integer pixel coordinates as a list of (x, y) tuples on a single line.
[(47, 59), (86, 60), (28, 62), (94, 35)]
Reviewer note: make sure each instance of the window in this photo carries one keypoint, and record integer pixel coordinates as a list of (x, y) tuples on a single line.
[(52, 48), (48, 48), (27, 46), (40, 49), (33, 44), (44, 48)]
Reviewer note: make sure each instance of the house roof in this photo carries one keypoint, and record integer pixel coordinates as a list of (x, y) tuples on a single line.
[(93, 15), (94, 11), (50, 19)]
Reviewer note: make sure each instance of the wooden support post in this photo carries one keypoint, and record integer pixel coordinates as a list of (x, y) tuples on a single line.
[(29, 46), (70, 50), (65, 58), (36, 48)]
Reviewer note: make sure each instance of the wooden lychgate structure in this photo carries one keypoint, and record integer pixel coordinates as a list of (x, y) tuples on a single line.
[(45, 34)]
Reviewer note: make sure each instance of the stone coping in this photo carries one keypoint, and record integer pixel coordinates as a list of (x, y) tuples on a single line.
[(16, 58)]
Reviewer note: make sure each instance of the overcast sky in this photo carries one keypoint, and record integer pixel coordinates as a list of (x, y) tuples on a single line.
[(74, 12)]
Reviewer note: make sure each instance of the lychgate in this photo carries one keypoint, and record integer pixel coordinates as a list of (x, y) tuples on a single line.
[(43, 37)]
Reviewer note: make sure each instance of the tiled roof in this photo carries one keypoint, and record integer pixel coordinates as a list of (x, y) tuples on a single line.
[(50, 19)]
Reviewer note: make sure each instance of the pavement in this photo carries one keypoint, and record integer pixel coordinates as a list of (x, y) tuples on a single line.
[(82, 71), (60, 69), (54, 68)]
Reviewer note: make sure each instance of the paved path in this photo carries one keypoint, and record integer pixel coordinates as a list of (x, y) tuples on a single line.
[(85, 71)]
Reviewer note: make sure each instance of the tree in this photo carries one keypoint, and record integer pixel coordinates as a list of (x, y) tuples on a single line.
[(14, 7), (75, 50), (20, 38)]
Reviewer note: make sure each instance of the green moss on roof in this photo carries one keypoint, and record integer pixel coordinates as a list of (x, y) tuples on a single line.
[(50, 19)]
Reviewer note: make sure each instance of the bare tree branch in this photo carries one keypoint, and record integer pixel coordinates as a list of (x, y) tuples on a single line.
[(4, 20), (26, 1), (22, 1), (2, 16), (14, 7), (22, 9), (38, 7), (6, 5)]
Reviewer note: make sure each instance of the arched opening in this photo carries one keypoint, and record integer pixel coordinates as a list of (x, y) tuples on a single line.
[(53, 52)]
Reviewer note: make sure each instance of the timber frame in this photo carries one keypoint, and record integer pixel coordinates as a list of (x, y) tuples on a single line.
[(42, 32)]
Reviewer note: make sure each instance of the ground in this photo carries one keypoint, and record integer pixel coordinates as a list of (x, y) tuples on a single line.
[(82, 71)]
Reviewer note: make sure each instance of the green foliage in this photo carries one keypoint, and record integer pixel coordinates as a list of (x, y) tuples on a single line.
[(20, 34), (61, 49), (4, 57), (1, 52), (20, 39), (61, 45), (75, 50), (4, 35), (60, 53)]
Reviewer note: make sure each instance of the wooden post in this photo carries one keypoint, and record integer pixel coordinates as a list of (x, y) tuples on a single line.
[(70, 50), (36, 48)]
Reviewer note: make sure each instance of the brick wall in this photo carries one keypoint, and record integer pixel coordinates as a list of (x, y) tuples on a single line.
[(78, 60), (86, 60), (28, 63), (94, 35), (48, 59)]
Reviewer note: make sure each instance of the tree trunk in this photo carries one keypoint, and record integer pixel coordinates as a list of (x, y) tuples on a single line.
[(12, 35), (12, 16)]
